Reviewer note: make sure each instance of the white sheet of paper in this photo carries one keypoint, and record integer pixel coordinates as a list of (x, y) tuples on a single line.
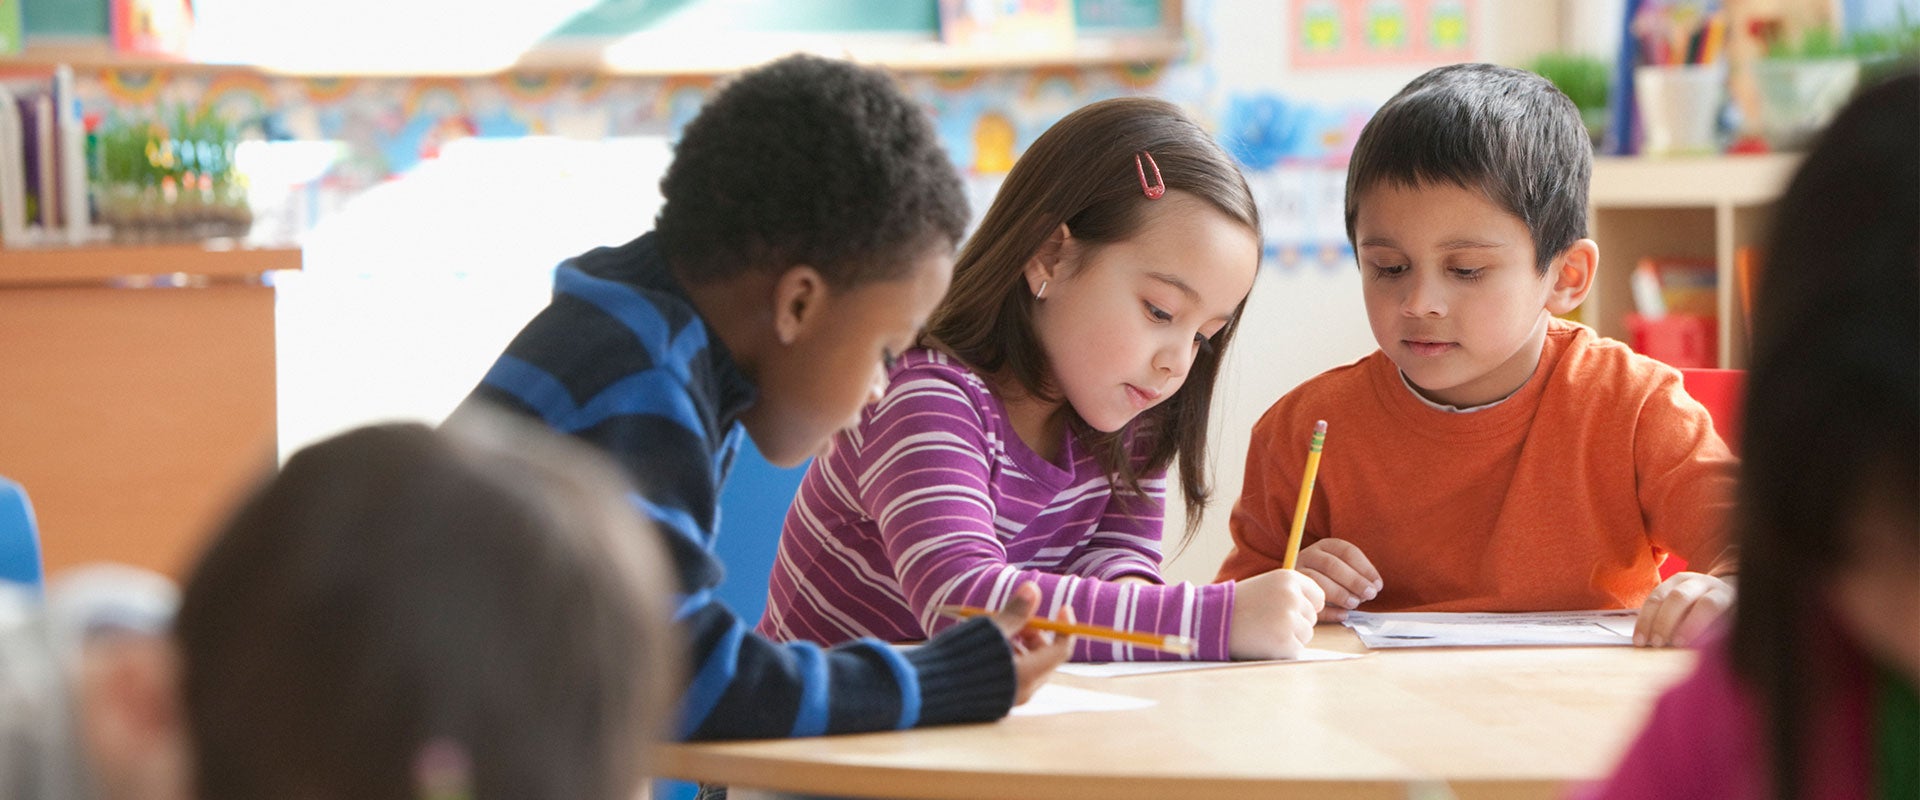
[(1053, 698), (1121, 669), (1434, 629)]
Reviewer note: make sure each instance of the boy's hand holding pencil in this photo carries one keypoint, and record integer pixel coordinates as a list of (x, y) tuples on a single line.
[(1036, 652)]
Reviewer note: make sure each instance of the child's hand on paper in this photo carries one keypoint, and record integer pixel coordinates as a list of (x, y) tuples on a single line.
[(1035, 653), (1273, 615), (1343, 572), (1680, 608)]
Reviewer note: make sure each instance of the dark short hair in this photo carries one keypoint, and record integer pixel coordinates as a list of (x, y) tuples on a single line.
[(1833, 403), (398, 586), (1082, 172), (1504, 132), (808, 161)]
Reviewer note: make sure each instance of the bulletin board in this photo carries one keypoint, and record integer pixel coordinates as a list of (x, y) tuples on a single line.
[(1362, 33), (611, 18)]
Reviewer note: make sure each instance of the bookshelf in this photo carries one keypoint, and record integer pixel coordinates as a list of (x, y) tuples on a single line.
[(139, 397), (211, 261), (1705, 207)]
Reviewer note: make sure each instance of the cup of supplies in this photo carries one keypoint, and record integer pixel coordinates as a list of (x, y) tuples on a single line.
[(1679, 107)]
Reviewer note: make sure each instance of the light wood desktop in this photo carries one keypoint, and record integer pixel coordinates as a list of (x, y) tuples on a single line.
[(1507, 722)]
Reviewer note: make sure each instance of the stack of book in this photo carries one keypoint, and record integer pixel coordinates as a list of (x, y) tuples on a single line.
[(1677, 317), (43, 166)]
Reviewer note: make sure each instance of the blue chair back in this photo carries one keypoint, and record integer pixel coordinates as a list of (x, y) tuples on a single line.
[(19, 537), (753, 506)]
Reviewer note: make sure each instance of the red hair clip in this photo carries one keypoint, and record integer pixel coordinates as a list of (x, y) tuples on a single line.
[(1159, 186)]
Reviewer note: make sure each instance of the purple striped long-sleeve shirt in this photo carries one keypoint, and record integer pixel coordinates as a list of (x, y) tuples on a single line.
[(934, 500)]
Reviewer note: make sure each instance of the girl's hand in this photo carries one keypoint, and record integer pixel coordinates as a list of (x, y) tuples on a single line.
[(1273, 615), (1343, 572), (1680, 608), (1035, 653)]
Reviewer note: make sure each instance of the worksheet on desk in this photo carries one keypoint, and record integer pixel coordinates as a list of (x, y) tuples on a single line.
[(1054, 698), (1437, 629)]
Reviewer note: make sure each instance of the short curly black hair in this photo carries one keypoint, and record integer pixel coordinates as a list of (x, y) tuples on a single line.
[(813, 161)]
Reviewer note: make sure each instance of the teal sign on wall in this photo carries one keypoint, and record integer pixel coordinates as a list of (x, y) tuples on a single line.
[(64, 17)]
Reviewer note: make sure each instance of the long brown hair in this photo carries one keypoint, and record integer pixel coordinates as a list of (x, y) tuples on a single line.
[(1081, 172), (1832, 409)]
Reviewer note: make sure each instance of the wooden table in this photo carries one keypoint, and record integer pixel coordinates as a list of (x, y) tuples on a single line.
[(1510, 722)]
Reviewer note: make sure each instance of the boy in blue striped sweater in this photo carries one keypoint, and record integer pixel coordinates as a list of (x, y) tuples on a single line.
[(808, 231)]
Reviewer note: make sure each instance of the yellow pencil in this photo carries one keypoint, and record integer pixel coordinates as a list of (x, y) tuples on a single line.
[(1179, 645), (1306, 494), (1715, 38)]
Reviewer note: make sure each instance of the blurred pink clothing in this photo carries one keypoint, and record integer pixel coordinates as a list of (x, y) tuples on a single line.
[(1705, 738)]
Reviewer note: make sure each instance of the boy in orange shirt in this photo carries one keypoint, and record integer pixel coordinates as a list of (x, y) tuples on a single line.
[(1489, 457)]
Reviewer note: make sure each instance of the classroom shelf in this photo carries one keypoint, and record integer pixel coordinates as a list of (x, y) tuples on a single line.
[(215, 261), (94, 53), (139, 399), (1705, 207)]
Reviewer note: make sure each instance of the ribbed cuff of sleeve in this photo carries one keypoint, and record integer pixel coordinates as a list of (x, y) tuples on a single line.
[(966, 674), (1213, 626)]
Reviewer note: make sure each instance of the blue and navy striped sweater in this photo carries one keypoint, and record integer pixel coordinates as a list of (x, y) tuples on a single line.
[(621, 358)]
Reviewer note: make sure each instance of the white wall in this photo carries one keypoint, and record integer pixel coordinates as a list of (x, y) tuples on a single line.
[(1297, 325), (368, 333)]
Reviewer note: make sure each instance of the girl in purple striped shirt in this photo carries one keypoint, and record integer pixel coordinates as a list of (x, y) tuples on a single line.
[(1028, 434)]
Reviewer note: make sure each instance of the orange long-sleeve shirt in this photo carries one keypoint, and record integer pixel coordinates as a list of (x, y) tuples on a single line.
[(1564, 496)]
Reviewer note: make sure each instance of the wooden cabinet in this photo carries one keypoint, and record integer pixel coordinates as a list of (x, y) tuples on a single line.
[(1705, 208), (136, 393)]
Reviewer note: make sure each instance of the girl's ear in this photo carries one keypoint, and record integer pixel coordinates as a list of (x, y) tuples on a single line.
[(799, 302), (1572, 274), (1044, 266)]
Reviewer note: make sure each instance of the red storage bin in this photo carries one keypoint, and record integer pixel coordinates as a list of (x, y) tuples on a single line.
[(1684, 341)]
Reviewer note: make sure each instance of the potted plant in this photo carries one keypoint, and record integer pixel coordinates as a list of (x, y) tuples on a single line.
[(1803, 81), (1584, 79), (168, 178), (1885, 51)]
